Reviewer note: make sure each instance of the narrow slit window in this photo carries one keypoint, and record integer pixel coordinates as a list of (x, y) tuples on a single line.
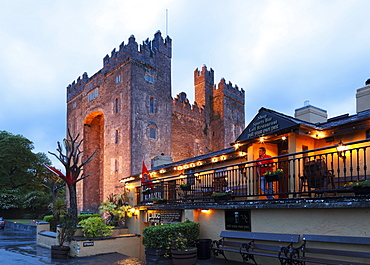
[(116, 136), (151, 105), (116, 105)]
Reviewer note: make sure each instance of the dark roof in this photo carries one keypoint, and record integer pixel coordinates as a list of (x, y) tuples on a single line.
[(279, 123)]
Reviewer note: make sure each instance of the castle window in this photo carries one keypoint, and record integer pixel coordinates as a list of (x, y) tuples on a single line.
[(116, 165), (116, 106), (196, 147), (116, 136), (149, 77), (151, 105), (74, 105), (92, 94), (152, 130), (152, 133), (118, 79)]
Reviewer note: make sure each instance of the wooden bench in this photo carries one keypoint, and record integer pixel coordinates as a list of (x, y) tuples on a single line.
[(306, 253), (249, 244)]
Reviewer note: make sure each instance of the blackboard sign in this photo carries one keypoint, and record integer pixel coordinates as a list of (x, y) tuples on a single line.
[(238, 220), (166, 216)]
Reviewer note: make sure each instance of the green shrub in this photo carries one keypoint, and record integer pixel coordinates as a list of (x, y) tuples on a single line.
[(86, 216), (95, 227), (50, 219), (158, 236)]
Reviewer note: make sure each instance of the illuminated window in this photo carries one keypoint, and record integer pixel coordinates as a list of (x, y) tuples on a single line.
[(92, 94)]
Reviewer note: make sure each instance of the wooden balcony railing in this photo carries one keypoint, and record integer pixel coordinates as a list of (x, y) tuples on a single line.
[(313, 173)]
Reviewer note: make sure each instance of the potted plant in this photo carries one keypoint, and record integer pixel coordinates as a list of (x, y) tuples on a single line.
[(65, 231), (222, 196), (185, 186), (359, 187), (156, 240), (183, 252), (95, 227), (115, 209), (273, 175)]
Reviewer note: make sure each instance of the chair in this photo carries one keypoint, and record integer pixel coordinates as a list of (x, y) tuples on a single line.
[(317, 177)]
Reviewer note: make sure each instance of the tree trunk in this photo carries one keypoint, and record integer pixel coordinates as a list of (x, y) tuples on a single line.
[(73, 202)]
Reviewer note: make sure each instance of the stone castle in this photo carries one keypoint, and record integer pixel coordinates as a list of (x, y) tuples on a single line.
[(127, 111)]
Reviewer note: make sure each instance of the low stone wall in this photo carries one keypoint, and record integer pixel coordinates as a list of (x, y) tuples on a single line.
[(22, 227), (126, 244)]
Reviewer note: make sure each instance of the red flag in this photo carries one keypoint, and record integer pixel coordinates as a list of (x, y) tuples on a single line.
[(146, 179)]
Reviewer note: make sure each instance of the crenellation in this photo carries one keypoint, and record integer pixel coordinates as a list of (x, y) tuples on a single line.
[(181, 104), (229, 90), (204, 75), (146, 55)]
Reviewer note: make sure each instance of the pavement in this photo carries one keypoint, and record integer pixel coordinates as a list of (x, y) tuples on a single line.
[(19, 248)]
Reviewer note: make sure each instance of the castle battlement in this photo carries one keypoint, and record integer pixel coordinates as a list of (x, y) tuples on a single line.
[(181, 105), (150, 53), (204, 75), (229, 90)]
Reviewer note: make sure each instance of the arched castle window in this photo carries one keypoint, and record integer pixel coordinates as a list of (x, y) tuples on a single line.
[(118, 79), (152, 130)]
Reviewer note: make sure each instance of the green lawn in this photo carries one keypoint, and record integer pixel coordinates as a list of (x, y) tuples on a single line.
[(21, 221)]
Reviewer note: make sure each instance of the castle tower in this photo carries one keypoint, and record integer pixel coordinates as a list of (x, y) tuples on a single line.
[(124, 110), (203, 86), (228, 119)]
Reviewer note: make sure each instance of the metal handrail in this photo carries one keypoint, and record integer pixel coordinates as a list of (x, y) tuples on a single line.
[(298, 180)]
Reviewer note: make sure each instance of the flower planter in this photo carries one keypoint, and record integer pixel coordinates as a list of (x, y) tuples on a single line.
[(361, 190), (273, 177), (59, 252), (186, 188), (155, 256), (184, 257), (222, 198), (159, 201)]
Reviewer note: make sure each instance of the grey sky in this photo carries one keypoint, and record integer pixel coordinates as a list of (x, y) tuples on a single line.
[(280, 52)]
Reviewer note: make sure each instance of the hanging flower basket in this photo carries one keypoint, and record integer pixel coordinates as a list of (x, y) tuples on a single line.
[(185, 187), (146, 191), (271, 176)]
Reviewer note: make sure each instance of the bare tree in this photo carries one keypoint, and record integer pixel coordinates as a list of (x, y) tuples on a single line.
[(71, 158)]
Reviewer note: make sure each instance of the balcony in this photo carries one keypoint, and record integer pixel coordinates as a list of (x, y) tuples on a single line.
[(314, 175)]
